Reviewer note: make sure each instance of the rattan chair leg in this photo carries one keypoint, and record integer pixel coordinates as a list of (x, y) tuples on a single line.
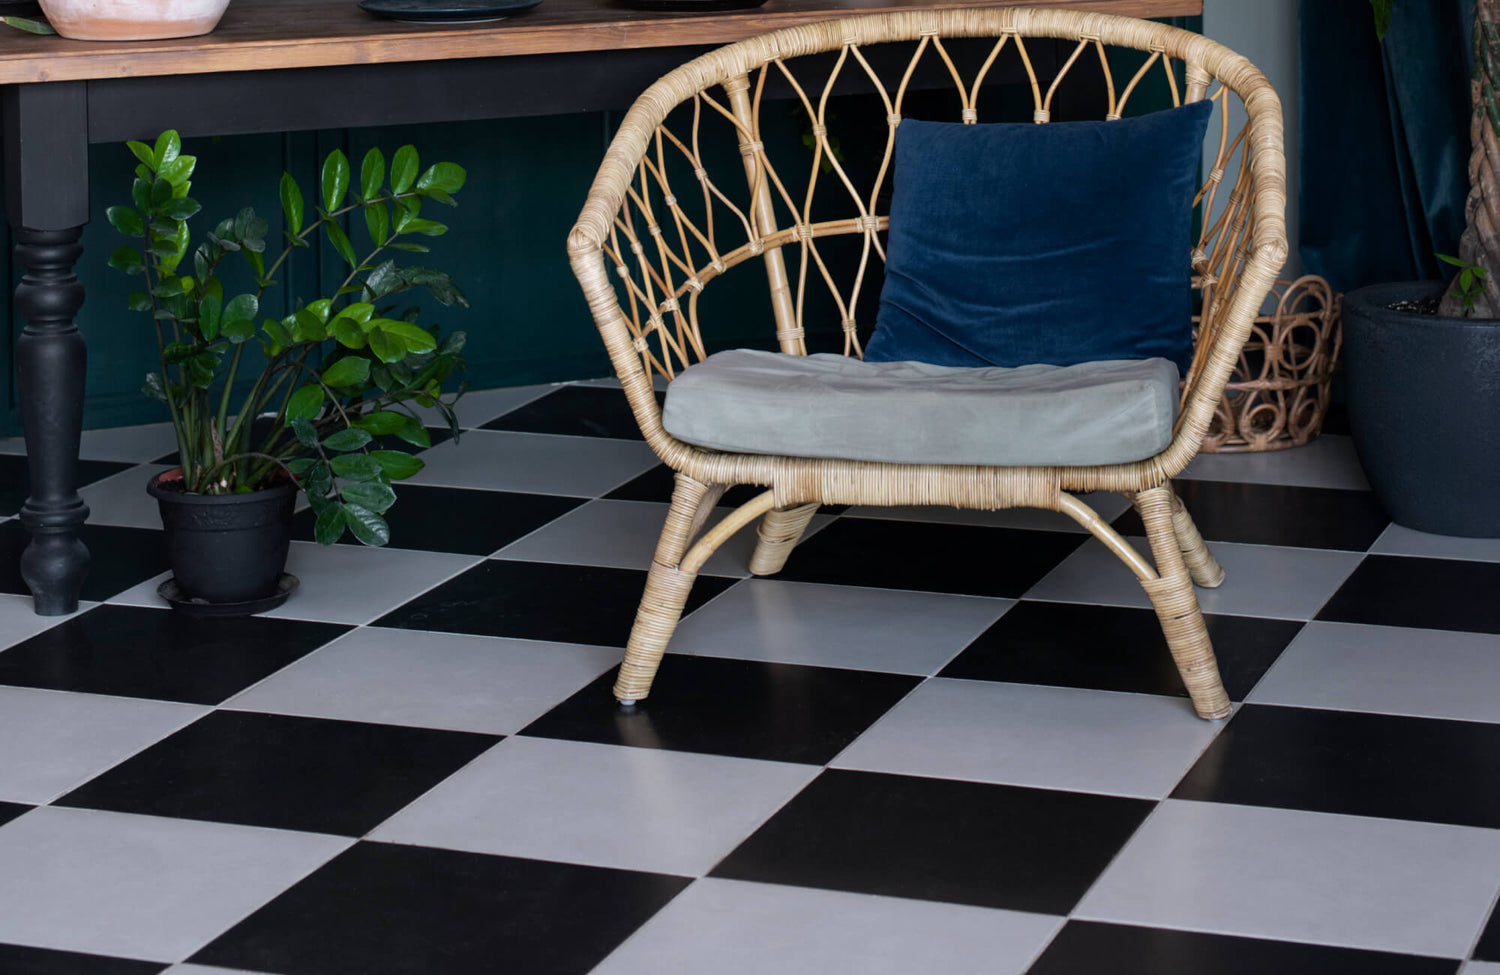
[(1201, 564), (780, 531), (1177, 608), (706, 507)]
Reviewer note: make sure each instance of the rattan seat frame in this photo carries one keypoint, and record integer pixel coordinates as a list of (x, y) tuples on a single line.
[(656, 328)]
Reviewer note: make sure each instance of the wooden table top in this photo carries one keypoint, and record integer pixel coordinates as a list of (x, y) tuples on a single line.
[(263, 35)]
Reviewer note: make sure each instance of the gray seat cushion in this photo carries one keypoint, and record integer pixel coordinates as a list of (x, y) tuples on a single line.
[(912, 412)]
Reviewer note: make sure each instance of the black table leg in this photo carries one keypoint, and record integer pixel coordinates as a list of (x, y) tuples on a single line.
[(46, 176)]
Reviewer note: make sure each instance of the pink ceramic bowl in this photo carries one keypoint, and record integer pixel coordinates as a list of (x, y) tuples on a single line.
[(132, 20)]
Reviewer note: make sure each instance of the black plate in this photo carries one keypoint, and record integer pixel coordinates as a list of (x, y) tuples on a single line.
[(452, 11), (693, 6), (200, 609)]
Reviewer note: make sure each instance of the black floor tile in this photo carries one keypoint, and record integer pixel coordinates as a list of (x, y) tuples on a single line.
[(1434, 594), (406, 910), (24, 960), (742, 708), (119, 557), (282, 772), (1354, 763), (15, 478), (1113, 648), (579, 411), (540, 601), (9, 811), (465, 522), (1276, 514), (930, 557), (1087, 946), (936, 839), (156, 653), (1488, 948), (658, 483)]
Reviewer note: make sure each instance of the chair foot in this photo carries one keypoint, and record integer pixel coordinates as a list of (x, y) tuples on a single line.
[(1200, 562), (661, 607), (779, 532)]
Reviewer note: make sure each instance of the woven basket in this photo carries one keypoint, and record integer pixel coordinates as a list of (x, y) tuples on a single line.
[(1280, 390)]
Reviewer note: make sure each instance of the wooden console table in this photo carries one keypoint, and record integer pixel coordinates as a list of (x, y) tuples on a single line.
[(280, 65)]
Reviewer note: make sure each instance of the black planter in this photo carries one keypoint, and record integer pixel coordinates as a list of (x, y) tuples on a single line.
[(1424, 408), (225, 550)]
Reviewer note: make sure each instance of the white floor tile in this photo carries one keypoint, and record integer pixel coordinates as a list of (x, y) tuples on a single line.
[(429, 680), (136, 444), (1391, 670), (19, 620), (1260, 580), (355, 583), (141, 886), (1481, 968), (634, 808), (121, 499), (837, 626), (1329, 461), (1045, 737), (1109, 506), (1396, 540), (624, 534), (1386, 884), (734, 928), (54, 741), (500, 460)]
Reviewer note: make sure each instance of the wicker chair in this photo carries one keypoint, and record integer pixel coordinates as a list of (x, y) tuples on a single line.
[(644, 255)]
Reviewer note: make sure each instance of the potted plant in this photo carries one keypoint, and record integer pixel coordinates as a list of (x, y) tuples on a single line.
[(1422, 363), (263, 409)]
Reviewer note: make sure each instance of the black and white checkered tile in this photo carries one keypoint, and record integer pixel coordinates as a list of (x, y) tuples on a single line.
[(939, 742)]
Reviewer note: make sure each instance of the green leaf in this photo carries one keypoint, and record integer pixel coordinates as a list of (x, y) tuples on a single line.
[(374, 495), (340, 242), (142, 152), (161, 192), (305, 402), (378, 223), (127, 259), (371, 174), (1466, 278), (279, 337), (178, 171), (329, 527), (291, 203), (335, 179), (446, 176), (154, 388), (414, 337), (346, 440), (140, 193), (412, 248), (305, 326), (306, 434), (382, 422), (126, 221), (241, 308), (237, 331), (398, 465), (168, 146), (359, 311), (355, 467), (181, 208), (366, 525), (348, 333), (138, 301), (404, 166), (301, 465), (28, 25), (427, 228), (1450, 259), (351, 370), (209, 316), (1382, 10), (385, 348), (414, 433)]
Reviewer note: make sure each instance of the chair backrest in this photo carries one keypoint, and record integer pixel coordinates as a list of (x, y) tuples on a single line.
[(689, 187)]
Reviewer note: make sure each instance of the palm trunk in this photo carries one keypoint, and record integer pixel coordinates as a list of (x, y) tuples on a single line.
[(1480, 243)]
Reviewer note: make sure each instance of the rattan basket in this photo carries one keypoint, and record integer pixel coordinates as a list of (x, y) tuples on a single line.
[(1280, 389)]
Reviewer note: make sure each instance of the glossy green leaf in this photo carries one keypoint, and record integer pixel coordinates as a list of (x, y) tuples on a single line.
[(446, 176), (374, 495), (386, 348), (181, 208), (237, 331), (277, 334), (178, 171), (352, 438), (161, 192), (414, 433), (366, 525), (291, 203), (427, 228), (348, 333), (329, 527), (241, 308), (414, 337), (378, 223), (125, 220), (210, 314), (304, 431), (168, 147), (404, 167), (306, 327), (28, 25), (138, 301), (140, 193), (359, 311), (382, 422), (340, 242), (126, 259), (397, 464), (306, 402), (142, 152), (154, 388), (351, 370), (355, 467), (371, 174), (335, 179), (301, 465)]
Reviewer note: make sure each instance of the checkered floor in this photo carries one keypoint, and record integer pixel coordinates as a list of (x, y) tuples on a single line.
[(939, 742)]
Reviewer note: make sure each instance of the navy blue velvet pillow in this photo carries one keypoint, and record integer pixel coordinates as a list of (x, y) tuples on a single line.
[(1060, 243)]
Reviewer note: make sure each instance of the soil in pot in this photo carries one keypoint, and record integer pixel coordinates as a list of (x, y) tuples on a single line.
[(1423, 394), (226, 550)]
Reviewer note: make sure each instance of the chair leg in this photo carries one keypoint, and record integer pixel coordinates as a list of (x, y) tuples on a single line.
[(1177, 608), (667, 588), (1201, 564), (780, 531)]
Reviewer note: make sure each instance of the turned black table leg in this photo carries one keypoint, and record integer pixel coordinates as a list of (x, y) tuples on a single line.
[(45, 129), (50, 359)]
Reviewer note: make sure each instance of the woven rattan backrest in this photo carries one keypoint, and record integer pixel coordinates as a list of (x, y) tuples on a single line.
[(669, 217)]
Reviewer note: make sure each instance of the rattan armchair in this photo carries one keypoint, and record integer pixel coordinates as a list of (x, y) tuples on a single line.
[(662, 224)]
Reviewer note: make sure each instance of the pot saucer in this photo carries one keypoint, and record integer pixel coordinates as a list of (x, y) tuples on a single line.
[(200, 609)]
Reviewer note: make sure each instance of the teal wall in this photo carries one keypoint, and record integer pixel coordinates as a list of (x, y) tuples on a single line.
[(506, 247)]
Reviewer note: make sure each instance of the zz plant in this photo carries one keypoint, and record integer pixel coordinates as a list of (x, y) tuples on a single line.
[(255, 400)]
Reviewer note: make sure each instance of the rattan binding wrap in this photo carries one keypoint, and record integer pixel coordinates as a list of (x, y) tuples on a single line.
[(643, 256)]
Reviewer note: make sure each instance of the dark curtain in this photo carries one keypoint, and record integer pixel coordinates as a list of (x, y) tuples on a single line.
[(1384, 139)]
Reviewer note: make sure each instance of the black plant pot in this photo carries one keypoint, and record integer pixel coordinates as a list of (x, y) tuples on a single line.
[(1424, 408), (226, 552)]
